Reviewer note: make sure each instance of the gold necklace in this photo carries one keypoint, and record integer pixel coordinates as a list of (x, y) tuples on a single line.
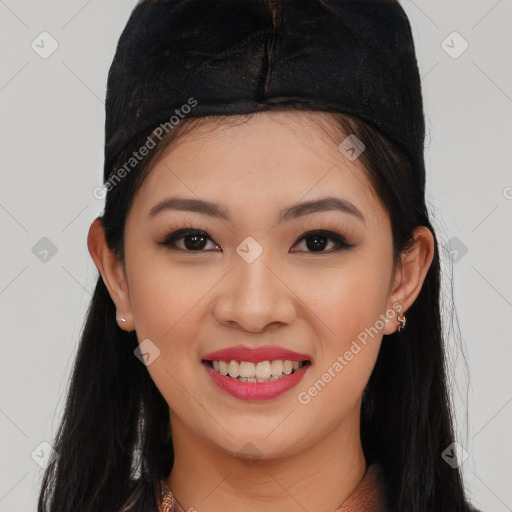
[(169, 503)]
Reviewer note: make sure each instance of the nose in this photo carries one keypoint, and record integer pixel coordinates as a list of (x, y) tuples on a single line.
[(254, 297)]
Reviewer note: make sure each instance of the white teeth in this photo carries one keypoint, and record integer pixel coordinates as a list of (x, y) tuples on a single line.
[(276, 368), (234, 369), (247, 370), (287, 367), (223, 368), (262, 371)]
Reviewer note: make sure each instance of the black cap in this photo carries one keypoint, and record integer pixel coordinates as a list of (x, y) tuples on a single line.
[(189, 58)]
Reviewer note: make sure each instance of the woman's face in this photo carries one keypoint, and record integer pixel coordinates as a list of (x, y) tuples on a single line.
[(270, 269)]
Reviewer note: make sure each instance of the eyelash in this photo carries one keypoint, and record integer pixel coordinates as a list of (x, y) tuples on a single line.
[(339, 240)]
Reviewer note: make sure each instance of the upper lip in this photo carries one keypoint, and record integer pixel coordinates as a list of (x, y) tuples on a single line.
[(265, 353)]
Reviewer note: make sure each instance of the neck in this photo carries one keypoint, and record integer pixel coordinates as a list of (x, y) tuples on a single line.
[(319, 478)]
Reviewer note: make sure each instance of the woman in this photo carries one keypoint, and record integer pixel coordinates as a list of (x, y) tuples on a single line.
[(264, 238)]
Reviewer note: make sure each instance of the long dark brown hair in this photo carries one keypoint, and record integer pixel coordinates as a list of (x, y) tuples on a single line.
[(114, 443)]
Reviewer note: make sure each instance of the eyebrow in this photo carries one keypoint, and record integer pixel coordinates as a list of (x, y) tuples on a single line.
[(216, 210)]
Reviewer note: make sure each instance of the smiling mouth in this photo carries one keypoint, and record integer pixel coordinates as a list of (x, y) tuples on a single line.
[(263, 371)]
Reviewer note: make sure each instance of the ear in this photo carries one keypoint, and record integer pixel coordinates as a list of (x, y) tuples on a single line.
[(410, 275), (112, 271)]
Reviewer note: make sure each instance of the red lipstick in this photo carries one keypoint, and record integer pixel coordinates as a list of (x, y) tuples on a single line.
[(254, 355), (256, 391)]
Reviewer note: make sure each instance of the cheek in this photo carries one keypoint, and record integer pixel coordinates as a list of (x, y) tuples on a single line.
[(170, 307), (347, 304), (350, 298), (166, 302), (164, 296)]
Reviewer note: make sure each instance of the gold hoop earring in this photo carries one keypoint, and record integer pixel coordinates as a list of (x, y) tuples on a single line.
[(401, 321)]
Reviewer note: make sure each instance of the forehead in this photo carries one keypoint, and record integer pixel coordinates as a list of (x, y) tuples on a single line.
[(265, 159)]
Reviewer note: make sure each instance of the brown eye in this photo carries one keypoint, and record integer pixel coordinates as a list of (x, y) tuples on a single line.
[(316, 241), (193, 240)]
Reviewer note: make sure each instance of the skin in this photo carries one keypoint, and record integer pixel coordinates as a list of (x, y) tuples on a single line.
[(191, 303)]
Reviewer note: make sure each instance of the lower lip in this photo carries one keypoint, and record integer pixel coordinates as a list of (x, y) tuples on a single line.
[(256, 390)]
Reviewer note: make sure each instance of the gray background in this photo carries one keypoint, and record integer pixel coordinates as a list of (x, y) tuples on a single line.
[(51, 157)]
